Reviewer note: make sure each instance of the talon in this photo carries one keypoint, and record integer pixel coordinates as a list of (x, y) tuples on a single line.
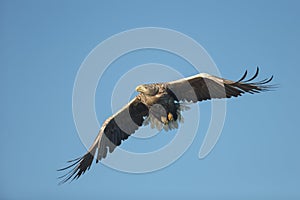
[(170, 117), (164, 120)]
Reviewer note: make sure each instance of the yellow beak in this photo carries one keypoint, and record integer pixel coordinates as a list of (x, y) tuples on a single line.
[(139, 88)]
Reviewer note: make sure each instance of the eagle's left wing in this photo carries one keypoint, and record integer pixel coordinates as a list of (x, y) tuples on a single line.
[(205, 86), (113, 131)]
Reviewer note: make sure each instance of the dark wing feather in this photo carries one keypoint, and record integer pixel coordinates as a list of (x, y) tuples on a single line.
[(204, 87), (113, 131)]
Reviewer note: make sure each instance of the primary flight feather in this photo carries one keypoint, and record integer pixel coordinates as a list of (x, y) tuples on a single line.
[(159, 104)]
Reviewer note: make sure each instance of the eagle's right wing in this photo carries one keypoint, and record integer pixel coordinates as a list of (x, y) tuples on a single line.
[(113, 131)]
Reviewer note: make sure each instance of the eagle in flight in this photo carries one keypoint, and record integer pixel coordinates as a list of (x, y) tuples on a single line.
[(160, 105)]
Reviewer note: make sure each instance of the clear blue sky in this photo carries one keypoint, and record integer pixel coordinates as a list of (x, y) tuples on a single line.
[(43, 44)]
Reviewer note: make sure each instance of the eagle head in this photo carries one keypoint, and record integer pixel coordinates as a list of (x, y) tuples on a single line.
[(147, 89)]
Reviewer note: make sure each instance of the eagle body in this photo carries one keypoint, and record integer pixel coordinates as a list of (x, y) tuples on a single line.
[(160, 105)]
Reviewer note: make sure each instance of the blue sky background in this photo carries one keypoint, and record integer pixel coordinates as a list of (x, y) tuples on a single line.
[(43, 44)]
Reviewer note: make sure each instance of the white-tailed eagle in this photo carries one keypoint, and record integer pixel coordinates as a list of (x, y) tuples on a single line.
[(159, 104)]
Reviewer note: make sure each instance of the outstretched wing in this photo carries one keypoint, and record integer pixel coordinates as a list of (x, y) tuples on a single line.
[(205, 86), (113, 131)]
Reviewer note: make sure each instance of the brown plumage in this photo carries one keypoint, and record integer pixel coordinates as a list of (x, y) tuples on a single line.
[(159, 104)]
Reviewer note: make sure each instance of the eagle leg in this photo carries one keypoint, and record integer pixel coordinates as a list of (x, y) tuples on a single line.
[(164, 120), (170, 117)]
